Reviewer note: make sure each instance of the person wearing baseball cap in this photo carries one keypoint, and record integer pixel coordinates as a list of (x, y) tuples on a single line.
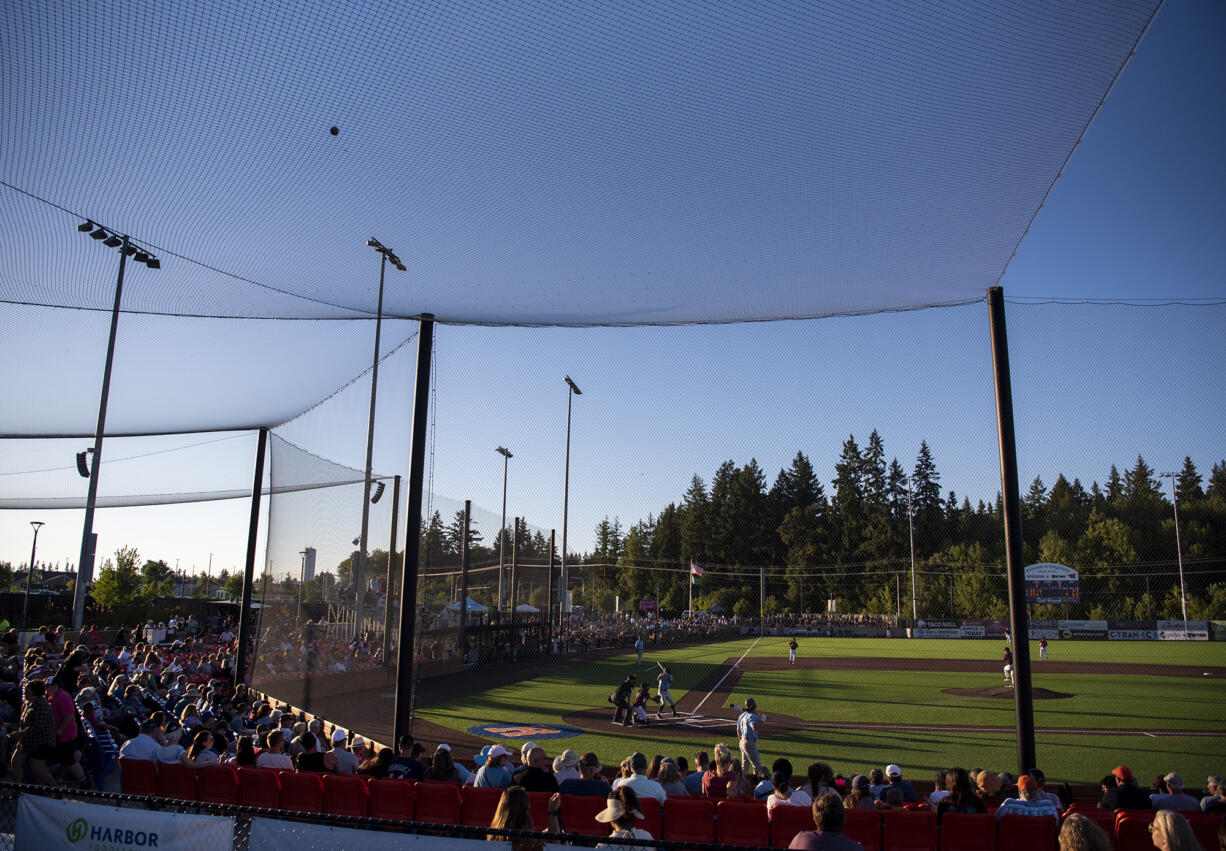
[(893, 776), (346, 761), (1175, 798), (1125, 794), (494, 774), (590, 782), (1028, 802)]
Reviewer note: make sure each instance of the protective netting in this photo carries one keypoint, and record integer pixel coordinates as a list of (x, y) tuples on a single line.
[(543, 162)]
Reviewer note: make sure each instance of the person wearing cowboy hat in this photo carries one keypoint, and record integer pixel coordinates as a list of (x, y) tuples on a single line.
[(621, 811)]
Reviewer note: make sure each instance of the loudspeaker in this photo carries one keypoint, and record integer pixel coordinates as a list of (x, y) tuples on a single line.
[(83, 464), (378, 494)]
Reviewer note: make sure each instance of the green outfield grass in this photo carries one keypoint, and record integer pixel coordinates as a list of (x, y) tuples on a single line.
[(1100, 704)]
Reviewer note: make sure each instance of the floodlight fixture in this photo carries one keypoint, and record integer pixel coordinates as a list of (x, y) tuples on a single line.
[(153, 263), (85, 226), (129, 249), (141, 257), (112, 241), (100, 233), (574, 386)]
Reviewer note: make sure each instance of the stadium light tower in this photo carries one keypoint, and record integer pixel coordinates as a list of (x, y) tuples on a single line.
[(25, 603), (359, 567), (502, 528), (1183, 595), (85, 564), (572, 391)]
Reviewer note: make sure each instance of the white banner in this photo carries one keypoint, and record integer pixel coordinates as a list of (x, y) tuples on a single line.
[(44, 823), (1174, 631), (275, 835)]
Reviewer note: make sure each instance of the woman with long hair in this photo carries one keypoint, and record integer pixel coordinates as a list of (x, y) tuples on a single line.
[(1078, 833), (821, 781), (720, 774), (653, 769), (1171, 832), (442, 767), (244, 753), (377, 764), (514, 812), (962, 797), (201, 750)]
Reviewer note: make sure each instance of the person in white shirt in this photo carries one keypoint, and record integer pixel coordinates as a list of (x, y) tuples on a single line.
[(784, 795), (274, 755), (144, 746), (643, 786), (173, 752), (346, 762)]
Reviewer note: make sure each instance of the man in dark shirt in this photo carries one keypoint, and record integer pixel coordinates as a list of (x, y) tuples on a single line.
[(828, 815), (403, 766), (894, 775), (537, 777), (1126, 795), (621, 702), (590, 782)]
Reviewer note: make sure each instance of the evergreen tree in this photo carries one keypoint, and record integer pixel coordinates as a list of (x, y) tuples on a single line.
[(1115, 486), (926, 501), (847, 504), (1217, 482), (453, 536), (1188, 490), (695, 522)]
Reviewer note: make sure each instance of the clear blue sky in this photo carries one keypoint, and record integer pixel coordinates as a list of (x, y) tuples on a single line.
[(1139, 214)]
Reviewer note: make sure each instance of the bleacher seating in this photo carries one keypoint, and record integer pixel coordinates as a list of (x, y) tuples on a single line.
[(688, 819), (217, 784), (732, 822), (741, 823)]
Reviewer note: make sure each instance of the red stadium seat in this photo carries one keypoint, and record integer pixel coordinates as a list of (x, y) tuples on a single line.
[(1026, 833), (1132, 830), (345, 795), (908, 830), (689, 820), (438, 803), (967, 831), (138, 776), (741, 823), (787, 821), (539, 802), (864, 826), (258, 787), (651, 821), (391, 799), (579, 815), (301, 793), (478, 806), (1205, 826), (175, 780), (217, 784), (1103, 818)]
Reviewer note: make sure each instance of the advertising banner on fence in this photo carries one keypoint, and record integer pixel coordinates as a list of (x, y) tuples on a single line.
[(1174, 631), (44, 823), (1082, 629), (1131, 634), (1051, 583), (276, 835)]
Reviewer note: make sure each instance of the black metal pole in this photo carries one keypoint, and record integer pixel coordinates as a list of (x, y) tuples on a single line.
[(359, 566), (25, 602), (412, 549), (85, 565), (391, 562), (1018, 623), (468, 510), (244, 612)]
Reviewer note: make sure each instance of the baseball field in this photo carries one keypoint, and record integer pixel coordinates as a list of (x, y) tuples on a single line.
[(861, 703)]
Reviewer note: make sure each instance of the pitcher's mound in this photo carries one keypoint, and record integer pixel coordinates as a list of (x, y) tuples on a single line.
[(1004, 691)]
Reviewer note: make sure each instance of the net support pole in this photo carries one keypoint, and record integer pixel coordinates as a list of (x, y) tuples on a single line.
[(412, 521), (253, 527), (468, 513), (1011, 502), (762, 600), (549, 587), (514, 582), (391, 573)]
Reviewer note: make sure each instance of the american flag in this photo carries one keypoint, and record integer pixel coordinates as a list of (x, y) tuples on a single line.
[(695, 569)]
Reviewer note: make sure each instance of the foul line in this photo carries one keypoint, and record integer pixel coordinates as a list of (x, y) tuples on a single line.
[(731, 668)]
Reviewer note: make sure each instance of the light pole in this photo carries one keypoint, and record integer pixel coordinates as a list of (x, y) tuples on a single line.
[(1183, 595), (572, 391), (911, 535), (359, 566), (502, 528), (85, 565), (25, 604)]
